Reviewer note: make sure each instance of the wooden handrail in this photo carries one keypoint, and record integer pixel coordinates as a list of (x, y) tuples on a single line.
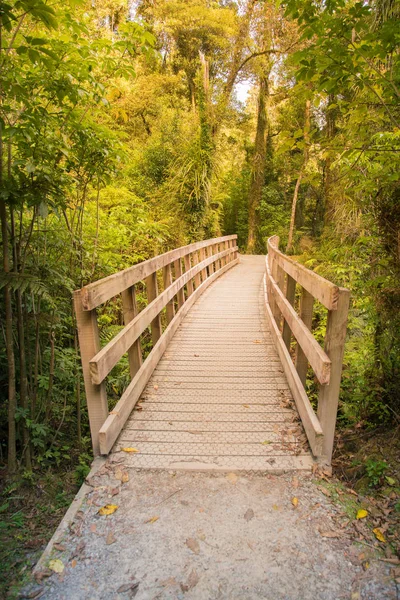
[(281, 276), (100, 291), (200, 272)]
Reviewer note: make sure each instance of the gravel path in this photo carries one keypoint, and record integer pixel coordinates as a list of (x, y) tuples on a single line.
[(212, 536)]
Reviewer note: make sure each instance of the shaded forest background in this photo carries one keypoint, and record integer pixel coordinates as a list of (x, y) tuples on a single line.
[(122, 137)]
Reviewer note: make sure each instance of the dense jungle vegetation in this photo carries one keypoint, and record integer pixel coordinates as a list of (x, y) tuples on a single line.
[(125, 133)]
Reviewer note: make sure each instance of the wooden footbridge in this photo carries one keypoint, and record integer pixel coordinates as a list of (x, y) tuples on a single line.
[(223, 385)]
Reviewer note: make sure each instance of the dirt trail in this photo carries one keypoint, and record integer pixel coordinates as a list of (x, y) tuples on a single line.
[(212, 536)]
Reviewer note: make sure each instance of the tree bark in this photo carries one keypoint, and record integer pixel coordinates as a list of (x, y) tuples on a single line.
[(258, 170), (300, 176)]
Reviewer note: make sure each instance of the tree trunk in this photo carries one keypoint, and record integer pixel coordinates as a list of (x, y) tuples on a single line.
[(258, 170), (300, 176), (12, 398)]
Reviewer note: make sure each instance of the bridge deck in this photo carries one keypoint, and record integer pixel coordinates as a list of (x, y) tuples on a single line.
[(218, 398)]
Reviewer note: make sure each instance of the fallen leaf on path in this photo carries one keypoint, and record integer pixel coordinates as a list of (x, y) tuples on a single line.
[(34, 594), (193, 545), (152, 519), (266, 442), (156, 387), (390, 480), (93, 528), (257, 342), (73, 563), (108, 509), (362, 513), (232, 478), (39, 575), (56, 565), (133, 588), (125, 477), (295, 502), (379, 535), (325, 491), (246, 406), (110, 539), (129, 450), (249, 514), (59, 547), (192, 581), (330, 534), (295, 482), (114, 491)]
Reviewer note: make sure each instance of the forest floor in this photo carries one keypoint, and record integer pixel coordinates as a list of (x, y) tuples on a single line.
[(181, 535)]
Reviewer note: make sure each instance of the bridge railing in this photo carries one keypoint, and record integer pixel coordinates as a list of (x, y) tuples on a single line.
[(282, 276), (185, 273)]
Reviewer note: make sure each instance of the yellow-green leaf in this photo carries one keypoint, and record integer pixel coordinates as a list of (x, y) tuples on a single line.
[(152, 520), (266, 442), (108, 509), (56, 565), (295, 502), (362, 513), (379, 535), (129, 450)]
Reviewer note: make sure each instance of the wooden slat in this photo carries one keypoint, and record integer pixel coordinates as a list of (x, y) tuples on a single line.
[(89, 344), (290, 294), (306, 315), (324, 291), (117, 417), (309, 419), (334, 347), (197, 279), (130, 311), (152, 293), (100, 291), (318, 359), (111, 353), (167, 279)]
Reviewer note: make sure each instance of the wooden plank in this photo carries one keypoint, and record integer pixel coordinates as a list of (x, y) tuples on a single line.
[(167, 279), (309, 419), (110, 354), (89, 344), (334, 347), (152, 293), (318, 359), (188, 266), (324, 291), (290, 294), (100, 291), (117, 417), (178, 273), (130, 311), (306, 315)]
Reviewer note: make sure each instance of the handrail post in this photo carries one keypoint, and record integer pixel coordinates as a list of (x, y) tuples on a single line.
[(178, 272), (306, 315), (202, 257), (152, 293), (89, 344), (290, 294), (167, 279), (189, 285), (130, 311), (328, 398), (197, 280)]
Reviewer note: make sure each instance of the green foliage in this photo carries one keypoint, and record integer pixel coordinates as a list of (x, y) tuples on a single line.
[(375, 470)]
